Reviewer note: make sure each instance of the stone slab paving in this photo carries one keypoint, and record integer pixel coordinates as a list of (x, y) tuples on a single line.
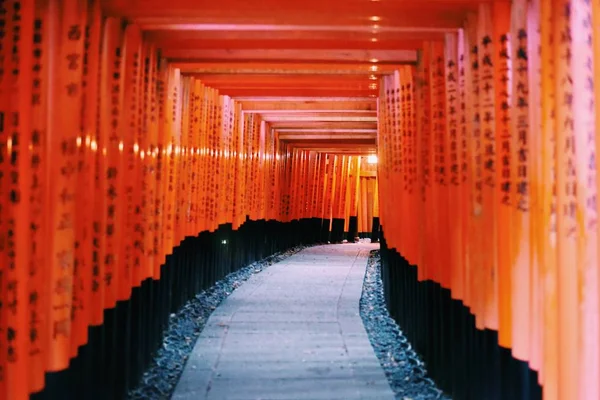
[(291, 332)]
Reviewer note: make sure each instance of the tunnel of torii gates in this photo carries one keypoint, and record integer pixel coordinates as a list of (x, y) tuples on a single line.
[(149, 147)]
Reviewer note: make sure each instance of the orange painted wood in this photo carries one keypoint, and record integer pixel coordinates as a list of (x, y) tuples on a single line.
[(17, 90), (568, 221), (266, 9), (174, 46), (290, 106), (5, 41), (301, 37), (308, 55), (327, 125), (130, 70), (63, 134), (201, 19), (152, 153), (281, 67), (87, 154)]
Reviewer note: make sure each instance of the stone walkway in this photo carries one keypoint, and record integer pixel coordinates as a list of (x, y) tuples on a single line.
[(291, 332)]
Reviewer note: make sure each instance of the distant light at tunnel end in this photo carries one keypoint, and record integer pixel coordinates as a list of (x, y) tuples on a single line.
[(372, 159)]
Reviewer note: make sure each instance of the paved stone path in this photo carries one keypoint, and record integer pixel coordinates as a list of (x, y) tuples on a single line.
[(291, 332)]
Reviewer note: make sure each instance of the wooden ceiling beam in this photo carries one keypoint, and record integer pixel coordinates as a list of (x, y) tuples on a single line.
[(268, 8), (322, 125), (307, 99), (316, 116), (365, 84), (327, 131), (315, 112), (306, 55), (291, 88), (341, 152), (290, 67), (367, 41), (338, 151), (234, 93), (327, 136), (345, 152), (218, 79), (349, 146), (320, 118), (296, 37), (284, 105), (417, 22)]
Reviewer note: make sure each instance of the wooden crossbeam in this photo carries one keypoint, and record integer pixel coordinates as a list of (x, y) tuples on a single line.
[(318, 115), (317, 130), (337, 10), (323, 125), (302, 92), (283, 105), (168, 44), (280, 67), (326, 136), (310, 55), (334, 150), (298, 38), (292, 85), (269, 79), (324, 118), (341, 146)]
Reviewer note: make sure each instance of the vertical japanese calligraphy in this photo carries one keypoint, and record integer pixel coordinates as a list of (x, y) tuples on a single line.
[(567, 207), (63, 140), (39, 186), (584, 138)]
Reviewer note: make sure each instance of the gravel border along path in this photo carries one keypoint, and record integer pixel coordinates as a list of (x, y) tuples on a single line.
[(403, 367)]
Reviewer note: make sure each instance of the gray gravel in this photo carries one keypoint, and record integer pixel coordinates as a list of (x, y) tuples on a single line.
[(159, 381), (404, 369)]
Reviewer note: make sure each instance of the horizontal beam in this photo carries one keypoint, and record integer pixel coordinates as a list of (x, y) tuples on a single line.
[(349, 86), (311, 112), (295, 37), (279, 67), (310, 55), (322, 125), (304, 137), (325, 146), (346, 152), (169, 44), (325, 118), (262, 79), (309, 115), (431, 23), (352, 146), (309, 105), (234, 93), (303, 98), (338, 10), (316, 130)]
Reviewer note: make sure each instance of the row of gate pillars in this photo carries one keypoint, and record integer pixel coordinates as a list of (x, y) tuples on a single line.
[(338, 235), (465, 362)]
